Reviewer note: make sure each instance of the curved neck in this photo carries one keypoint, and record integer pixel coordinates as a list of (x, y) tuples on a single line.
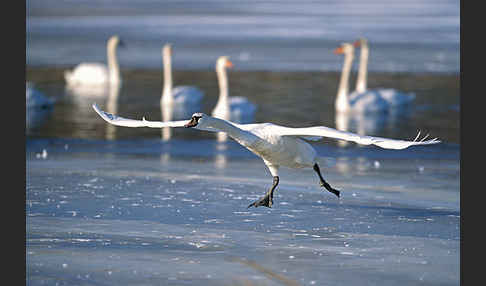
[(113, 67), (243, 137), (363, 69), (167, 63), (342, 101)]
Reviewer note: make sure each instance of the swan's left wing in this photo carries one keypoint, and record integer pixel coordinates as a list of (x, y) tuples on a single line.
[(322, 131), (121, 121)]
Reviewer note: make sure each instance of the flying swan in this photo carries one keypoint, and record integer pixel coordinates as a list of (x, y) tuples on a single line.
[(276, 145)]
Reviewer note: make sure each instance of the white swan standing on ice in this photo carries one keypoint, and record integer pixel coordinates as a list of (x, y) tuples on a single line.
[(354, 102), (94, 74), (393, 97), (276, 145), (233, 108), (181, 97)]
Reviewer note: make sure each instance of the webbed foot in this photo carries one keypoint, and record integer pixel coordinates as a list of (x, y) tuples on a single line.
[(266, 201), (330, 189)]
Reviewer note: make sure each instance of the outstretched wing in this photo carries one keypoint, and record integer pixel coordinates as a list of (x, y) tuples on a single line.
[(120, 121), (322, 131)]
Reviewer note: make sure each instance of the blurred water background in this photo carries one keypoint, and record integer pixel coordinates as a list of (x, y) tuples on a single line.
[(405, 36), (107, 205)]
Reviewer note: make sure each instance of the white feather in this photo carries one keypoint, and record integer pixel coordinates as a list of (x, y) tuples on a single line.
[(121, 121), (269, 132)]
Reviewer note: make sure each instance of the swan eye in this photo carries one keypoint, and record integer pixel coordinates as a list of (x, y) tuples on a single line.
[(194, 121)]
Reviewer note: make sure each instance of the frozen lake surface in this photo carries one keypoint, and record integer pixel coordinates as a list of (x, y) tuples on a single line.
[(108, 205), (147, 212)]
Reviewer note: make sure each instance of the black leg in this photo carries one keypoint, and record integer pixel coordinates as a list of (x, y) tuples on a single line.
[(323, 182), (267, 200)]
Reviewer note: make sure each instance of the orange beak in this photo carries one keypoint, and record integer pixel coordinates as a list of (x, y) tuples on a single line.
[(339, 51), (229, 64), (357, 44)]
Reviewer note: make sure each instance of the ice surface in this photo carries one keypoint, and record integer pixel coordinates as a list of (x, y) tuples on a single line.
[(102, 212)]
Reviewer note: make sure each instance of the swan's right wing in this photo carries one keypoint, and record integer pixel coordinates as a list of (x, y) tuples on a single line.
[(322, 131), (121, 121)]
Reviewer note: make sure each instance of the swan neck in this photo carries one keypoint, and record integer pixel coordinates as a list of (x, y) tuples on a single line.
[(363, 69), (222, 103), (342, 101), (113, 67), (167, 62), (223, 84), (220, 125)]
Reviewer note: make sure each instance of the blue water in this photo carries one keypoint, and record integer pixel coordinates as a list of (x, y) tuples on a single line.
[(404, 36)]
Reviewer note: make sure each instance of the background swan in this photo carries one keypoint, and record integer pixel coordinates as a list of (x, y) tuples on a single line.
[(355, 102), (37, 107), (181, 100), (35, 98), (97, 73), (393, 97), (233, 108), (275, 145)]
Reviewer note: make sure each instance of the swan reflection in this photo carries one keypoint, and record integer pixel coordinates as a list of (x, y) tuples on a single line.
[(372, 124), (83, 96)]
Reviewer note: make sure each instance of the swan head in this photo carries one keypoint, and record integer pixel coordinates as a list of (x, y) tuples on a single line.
[(345, 48), (223, 62), (361, 42), (167, 49), (197, 119), (115, 41)]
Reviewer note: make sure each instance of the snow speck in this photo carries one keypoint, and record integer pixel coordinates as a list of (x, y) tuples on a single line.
[(376, 164), (42, 155)]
